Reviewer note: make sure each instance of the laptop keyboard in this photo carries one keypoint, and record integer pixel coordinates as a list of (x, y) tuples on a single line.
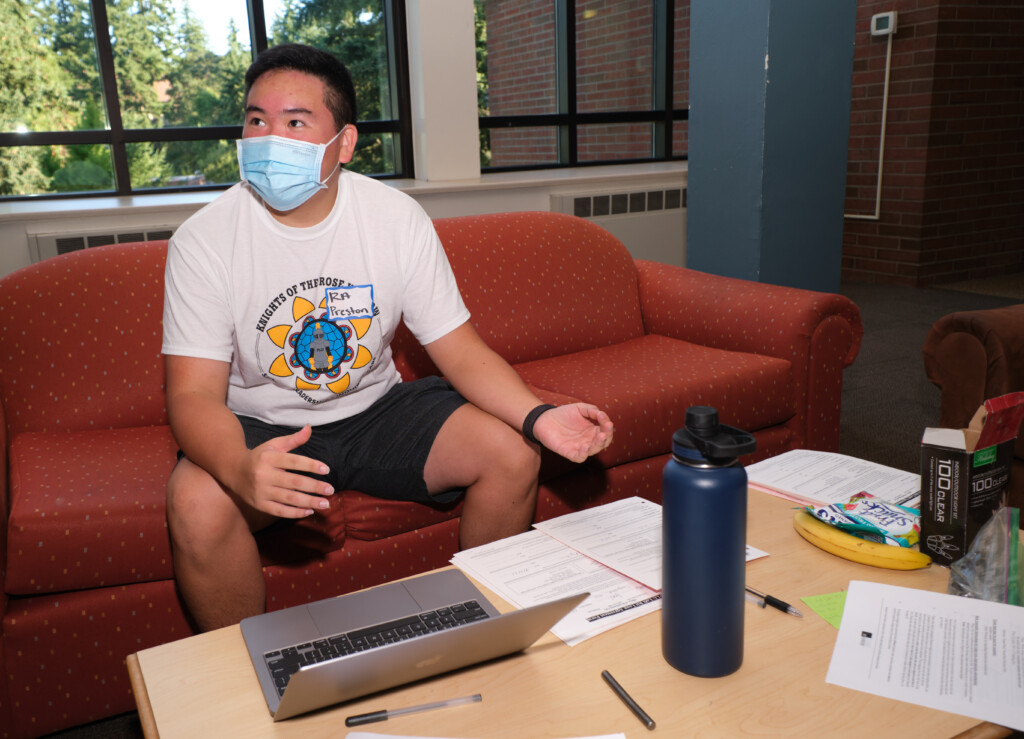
[(283, 663)]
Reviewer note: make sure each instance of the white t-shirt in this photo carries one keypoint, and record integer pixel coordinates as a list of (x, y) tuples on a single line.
[(306, 316)]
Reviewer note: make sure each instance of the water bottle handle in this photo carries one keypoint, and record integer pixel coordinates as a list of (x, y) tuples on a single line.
[(727, 442), (715, 441)]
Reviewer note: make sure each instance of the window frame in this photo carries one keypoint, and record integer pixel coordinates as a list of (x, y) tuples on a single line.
[(663, 114), (117, 137)]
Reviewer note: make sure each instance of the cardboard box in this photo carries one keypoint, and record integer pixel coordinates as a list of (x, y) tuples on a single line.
[(965, 476)]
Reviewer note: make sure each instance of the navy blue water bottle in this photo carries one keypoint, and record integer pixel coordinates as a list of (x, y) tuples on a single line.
[(704, 522)]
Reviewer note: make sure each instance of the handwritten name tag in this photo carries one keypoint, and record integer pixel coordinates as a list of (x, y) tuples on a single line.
[(352, 301)]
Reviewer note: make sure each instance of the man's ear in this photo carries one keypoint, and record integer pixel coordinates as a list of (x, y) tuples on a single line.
[(349, 138)]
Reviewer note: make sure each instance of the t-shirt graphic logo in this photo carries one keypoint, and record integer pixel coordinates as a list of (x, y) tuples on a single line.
[(318, 350)]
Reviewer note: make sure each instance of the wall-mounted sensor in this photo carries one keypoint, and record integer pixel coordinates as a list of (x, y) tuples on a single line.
[(883, 24)]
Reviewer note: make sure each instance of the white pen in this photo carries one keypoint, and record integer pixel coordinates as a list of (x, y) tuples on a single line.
[(369, 718)]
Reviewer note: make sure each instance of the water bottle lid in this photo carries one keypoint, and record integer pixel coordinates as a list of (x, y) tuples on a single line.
[(716, 442)]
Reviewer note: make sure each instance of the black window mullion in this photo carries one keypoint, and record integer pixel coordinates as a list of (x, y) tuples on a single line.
[(664, 15), (257, 26), (566, 120), (398, 61), (111, 99), (55, 138), (565, 40)]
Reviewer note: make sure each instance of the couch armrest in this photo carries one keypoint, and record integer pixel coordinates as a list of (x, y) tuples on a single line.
[(818, 333), (972, 356)]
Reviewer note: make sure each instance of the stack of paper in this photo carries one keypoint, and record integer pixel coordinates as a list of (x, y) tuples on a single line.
[(533, 567), (822, 478), (611, 551)]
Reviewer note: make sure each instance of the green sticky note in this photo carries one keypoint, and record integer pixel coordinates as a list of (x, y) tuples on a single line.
[(829, 606)]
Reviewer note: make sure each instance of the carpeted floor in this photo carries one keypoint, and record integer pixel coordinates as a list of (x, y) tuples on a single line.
[(887, 400), (126, 726), (1003, 286)]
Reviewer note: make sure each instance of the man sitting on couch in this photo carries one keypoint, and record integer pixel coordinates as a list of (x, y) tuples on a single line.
[(282, 297)]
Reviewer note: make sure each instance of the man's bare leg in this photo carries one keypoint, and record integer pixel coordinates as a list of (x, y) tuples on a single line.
[(216, 562), (495, 464)]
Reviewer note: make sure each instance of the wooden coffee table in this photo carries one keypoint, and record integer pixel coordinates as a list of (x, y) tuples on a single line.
[(205, 685)]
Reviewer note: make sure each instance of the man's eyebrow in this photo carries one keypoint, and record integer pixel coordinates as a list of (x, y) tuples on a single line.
[(258, 109)]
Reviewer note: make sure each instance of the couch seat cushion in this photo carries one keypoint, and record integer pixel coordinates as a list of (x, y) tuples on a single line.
[(646, 385), (87, 509), (82, 516), (370, 518)]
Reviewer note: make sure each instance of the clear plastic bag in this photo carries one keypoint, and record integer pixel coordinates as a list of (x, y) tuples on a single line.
[(991, 569)]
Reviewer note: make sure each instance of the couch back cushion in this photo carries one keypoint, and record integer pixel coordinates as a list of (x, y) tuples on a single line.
[(542, 284), (80, 333), (80, 339)]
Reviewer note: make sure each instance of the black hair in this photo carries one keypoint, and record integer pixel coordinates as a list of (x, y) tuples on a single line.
[(339, 92)]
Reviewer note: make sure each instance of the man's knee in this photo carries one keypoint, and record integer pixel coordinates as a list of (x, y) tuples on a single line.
[(199, 512), (504, 454), (474, 447), (518, 458)]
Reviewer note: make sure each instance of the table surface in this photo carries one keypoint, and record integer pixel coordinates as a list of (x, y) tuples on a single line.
[(205, 685)]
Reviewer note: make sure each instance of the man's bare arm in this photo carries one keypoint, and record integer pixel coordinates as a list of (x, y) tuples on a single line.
[(210, 435), (575, 431)]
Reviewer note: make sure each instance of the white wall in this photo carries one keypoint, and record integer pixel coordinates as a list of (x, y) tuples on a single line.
[(659, 239), (445, 137)]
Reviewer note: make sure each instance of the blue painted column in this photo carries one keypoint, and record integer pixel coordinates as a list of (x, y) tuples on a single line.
[(769, 126)]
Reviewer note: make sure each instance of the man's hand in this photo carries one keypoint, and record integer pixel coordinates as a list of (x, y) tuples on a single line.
[(272, 485), (575, 431)]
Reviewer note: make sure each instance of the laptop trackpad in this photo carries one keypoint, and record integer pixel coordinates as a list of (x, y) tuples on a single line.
[(365, 608)]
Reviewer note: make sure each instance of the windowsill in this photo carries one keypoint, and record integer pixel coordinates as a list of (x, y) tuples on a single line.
[(599, 176), (105, 205)]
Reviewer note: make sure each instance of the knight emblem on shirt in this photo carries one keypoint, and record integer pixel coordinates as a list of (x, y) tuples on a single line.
[(326, 344)]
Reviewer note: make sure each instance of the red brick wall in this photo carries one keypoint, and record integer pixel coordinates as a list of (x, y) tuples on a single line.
[(952, 204), (614, 72), (521, 66)]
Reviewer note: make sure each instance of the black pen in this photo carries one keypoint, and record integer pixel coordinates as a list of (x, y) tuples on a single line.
[(763, 599), (369, 718), (628, 699)]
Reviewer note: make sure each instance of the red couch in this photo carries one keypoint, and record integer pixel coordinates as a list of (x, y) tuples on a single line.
[(972, 356), (87, 575)]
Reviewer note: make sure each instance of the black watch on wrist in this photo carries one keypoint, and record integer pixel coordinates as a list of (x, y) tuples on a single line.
[(531, 420)]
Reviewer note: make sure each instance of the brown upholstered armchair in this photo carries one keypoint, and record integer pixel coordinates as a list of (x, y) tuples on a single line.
[(975, 355)]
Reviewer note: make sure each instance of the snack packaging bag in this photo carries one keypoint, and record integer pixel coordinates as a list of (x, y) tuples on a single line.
[(873, 519)]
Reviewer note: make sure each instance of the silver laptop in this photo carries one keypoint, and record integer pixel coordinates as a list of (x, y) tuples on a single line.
[(315, 655)]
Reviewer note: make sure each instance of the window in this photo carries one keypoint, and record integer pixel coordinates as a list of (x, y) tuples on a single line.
[(132, 96), (571, 82)]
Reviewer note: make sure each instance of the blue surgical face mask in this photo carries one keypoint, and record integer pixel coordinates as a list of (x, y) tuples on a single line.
[(284, 172)]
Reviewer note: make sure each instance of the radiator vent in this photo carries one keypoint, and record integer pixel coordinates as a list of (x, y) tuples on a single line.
[(45, 245), (651, 222), (605, 204)]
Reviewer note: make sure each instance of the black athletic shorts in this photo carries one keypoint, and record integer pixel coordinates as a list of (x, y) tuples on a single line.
[(383, 450)]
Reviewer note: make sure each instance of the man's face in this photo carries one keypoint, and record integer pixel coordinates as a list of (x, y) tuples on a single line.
[(288, 103)]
